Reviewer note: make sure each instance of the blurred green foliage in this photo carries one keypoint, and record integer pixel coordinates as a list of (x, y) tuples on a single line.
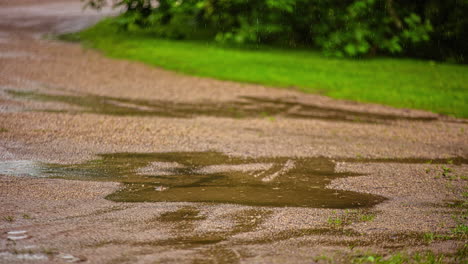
[(435, 29)]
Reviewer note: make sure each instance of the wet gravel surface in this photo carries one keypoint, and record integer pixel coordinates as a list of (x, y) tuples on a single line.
[(47, 220)]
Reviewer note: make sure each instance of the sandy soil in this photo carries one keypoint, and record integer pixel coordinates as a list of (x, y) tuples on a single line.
[(56, 220)]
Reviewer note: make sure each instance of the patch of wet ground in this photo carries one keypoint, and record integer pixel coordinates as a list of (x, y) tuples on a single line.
[(213, 177), (145, 176), (226, 245), (149, 176), (242, 227), (243, 107), (210, 177), (186, 220)]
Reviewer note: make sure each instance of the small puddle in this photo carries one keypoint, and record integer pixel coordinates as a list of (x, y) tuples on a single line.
[(243, 107), (214, 178), (20, 168)]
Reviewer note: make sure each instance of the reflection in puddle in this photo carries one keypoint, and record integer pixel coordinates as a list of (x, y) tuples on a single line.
[(218, 178), (242, 108), (20, 168)]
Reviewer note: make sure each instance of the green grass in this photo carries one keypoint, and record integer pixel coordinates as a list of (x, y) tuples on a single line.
[(399, 258), (9, 218), (425, 257), (441, 88)]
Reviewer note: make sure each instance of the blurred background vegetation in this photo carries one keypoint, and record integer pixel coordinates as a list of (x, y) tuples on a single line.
[(409, 54), (430, 29)]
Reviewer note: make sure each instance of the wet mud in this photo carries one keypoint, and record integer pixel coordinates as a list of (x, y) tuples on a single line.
[(243, 107)]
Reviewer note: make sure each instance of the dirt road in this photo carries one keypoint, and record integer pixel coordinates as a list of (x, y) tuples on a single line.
[(109, 161)]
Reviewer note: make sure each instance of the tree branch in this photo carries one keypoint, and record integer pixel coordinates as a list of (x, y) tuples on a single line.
[(393, 14)]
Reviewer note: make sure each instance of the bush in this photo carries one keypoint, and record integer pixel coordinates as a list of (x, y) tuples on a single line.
[(351, 28)]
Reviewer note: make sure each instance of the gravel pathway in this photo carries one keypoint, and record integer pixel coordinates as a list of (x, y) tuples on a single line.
[(62, 104)]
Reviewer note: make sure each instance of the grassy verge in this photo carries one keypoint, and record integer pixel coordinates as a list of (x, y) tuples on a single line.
[(441, 88)]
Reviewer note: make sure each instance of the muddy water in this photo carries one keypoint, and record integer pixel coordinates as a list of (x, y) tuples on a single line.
[(216, 178), (243, 107)]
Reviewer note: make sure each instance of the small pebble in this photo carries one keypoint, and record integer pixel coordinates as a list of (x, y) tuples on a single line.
[(69, 258)]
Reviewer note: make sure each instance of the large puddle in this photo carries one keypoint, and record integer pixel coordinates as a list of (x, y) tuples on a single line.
[(214, 177), (210, 177), (244, 107)]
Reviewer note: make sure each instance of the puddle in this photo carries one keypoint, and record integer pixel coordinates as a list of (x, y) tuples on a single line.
[(243, 107), (22, 257), (218, 254), (14, 238), (213, 177), (183, 214), (69, 258), (20, 232), (20, 168), (17, 235), (186, 219)]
